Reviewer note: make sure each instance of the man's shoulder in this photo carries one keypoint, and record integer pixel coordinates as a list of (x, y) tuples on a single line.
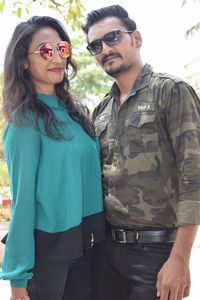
[(166, 77), (169, 82)]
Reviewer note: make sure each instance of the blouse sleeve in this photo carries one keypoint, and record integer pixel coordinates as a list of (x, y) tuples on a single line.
[(22, 151)]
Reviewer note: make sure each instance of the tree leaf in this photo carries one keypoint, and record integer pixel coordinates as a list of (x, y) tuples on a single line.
[(194, 29), (2, 6), (17, 3), (19, 12)]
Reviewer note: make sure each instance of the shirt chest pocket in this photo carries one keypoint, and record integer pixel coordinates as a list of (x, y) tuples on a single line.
[(141, 133)]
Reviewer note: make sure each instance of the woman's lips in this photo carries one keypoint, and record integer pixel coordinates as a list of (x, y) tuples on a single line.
[(56, 70)]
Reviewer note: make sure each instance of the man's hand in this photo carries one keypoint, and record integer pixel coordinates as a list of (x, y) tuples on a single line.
[(173, 281)]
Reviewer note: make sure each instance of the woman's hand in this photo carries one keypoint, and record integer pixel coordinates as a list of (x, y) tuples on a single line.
[(19, 292)]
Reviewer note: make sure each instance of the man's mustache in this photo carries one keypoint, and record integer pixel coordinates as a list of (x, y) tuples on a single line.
[(109, 55)]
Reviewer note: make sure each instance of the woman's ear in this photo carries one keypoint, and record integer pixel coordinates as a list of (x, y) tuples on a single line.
[(26, 65)]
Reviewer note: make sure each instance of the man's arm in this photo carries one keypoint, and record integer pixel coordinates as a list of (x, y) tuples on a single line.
[(181, 109), (173, 281)]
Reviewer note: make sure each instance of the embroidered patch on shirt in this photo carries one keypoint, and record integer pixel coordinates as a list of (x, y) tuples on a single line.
[(146, 107)]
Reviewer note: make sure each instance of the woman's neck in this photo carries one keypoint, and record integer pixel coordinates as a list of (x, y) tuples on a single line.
[(48, 90)]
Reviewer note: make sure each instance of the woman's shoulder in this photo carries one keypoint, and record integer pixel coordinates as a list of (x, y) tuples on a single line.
[(24, 118), (20, 126)]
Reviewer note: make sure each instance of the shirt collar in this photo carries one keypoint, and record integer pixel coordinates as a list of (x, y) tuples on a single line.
[(142, 81), (51, 101)]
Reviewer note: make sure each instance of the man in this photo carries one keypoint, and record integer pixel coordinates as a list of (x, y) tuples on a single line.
[(149, 129)]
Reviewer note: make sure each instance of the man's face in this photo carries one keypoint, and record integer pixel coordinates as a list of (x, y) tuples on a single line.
[(120, 57)]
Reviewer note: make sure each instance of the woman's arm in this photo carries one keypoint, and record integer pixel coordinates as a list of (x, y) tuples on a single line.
[(22, 150)]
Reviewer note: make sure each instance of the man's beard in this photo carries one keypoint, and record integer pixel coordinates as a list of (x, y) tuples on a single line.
[(115, 71)]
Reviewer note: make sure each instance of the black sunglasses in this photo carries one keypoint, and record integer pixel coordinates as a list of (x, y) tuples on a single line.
[(111, 38)]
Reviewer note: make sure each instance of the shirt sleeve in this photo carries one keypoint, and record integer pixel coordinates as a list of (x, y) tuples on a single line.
[(183, 122), (21, 146)]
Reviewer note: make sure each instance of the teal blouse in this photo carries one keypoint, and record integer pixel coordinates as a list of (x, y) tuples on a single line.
[(54, 185)]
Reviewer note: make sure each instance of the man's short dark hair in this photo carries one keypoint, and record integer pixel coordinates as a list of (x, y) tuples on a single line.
[(108, 11)]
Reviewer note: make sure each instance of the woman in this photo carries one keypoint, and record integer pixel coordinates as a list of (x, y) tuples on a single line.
[(53, 162)]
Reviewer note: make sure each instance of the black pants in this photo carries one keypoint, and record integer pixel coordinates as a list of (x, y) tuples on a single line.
[(62, 281), (127, 271)]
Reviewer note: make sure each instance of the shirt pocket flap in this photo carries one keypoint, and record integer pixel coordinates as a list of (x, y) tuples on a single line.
[(140, 119)]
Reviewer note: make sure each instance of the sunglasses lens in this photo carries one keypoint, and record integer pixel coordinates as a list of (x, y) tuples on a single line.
[(46, 51), (112, 38), (95, 47), (64, 49)]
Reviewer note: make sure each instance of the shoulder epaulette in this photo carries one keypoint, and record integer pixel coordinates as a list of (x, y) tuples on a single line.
[(175, 79)]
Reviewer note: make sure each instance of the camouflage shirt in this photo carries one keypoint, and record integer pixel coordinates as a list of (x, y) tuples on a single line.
[(150, 152)]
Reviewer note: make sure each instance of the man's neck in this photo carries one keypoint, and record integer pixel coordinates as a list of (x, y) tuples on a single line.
[(125, 82)]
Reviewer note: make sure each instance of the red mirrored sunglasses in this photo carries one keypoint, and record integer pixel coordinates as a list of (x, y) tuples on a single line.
[(46, 50)]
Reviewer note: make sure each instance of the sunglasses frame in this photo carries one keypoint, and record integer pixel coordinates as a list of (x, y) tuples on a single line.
[(117, 31), (54, 46)]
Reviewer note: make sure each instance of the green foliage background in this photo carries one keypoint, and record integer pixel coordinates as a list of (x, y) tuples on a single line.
[(91, 84), (70, 10)]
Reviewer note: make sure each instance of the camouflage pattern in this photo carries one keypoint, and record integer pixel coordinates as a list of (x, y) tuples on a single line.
[(150, 152)]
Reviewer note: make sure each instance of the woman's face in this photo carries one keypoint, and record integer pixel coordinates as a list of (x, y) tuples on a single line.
[(45, 73)]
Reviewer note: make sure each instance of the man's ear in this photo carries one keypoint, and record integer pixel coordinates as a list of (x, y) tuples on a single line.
[(138, 38), (26, 65)]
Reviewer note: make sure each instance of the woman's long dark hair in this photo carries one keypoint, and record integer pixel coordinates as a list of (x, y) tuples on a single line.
[(19, 92)]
